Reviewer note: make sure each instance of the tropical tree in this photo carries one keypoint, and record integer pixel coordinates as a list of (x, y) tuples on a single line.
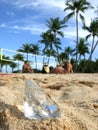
[(13, 65), (49, 53), (47, 40), (25, 49), (55, 25), (18, 57), (77, 7), (36, 51), (1, 64), (82, 48), (69, 52), (93, 32), (4, 62), (96, 65), (63, 57)]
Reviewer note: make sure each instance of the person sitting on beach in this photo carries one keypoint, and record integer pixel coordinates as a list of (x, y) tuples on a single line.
[(69, 67), (27, 68), (59, 69)]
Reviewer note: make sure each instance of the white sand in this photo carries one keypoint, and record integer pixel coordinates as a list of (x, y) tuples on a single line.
[(76, 95)]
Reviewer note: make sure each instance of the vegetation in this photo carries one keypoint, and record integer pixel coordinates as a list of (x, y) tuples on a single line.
[(51, 41)]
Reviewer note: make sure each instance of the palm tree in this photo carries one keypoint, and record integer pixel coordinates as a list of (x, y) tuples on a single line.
[(3, 62), (63, 57), (6, 62), (49, 53), (82, 48), (68, 51), (47, 40), (77, 7), (18, 57), (55, 25), (93, 31), (13, 65), (35, 50), (26, 49)]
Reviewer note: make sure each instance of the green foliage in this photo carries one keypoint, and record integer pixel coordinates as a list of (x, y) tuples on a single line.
[(92, 67), (52, 42)]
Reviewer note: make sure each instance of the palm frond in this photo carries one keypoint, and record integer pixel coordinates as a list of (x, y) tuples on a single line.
[(69, 16)]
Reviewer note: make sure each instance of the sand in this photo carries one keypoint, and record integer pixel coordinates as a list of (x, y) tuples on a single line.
[(75, 94)]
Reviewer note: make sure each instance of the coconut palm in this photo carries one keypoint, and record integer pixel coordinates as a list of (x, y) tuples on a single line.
[(93, 32), (18, 57), (68, 51), (47, 40), (63, 57), (13, 65), (26, 49), (49, 53), (4, 62), (36, 51), (55, 25), (1, 63), (77, 7), (82, 48)]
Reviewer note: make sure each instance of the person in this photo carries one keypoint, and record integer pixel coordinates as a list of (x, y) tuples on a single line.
[(59, 69), (69, 67), (27, 68)]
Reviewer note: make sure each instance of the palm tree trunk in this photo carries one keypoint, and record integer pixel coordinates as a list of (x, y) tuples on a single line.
[(48, 60), (18, 65), (12, 69), (79, 58), (6, 68), (43, 60), (27, 56), (36, 61), (56, 47), (0, 68), (76, 41), (92, 47), (77, 37)]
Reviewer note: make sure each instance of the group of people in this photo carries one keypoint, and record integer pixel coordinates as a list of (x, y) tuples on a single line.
[(57, 70), (61, 70)]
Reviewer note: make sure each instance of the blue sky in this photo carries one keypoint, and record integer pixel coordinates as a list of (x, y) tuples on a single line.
[(23, 21)]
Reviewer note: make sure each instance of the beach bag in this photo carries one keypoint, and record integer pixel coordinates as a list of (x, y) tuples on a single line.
[(45, 69)]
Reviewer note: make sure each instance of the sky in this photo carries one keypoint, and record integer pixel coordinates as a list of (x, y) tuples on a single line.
[(23, 21)]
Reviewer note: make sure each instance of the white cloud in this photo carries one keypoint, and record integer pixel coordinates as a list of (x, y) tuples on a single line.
[(10, 13), (40, 3), (36, 30), (2, 25), (36, 3), (46, 5), (44, 9)]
